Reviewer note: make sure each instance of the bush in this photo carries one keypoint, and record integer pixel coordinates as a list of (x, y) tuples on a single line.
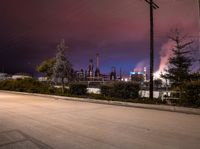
[(122, 90), (126, 90), (191, 96), (25, 85), (106, 90), (78, 89)]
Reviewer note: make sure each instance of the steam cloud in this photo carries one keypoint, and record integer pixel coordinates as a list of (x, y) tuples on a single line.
[(140, 66), (166, 51)]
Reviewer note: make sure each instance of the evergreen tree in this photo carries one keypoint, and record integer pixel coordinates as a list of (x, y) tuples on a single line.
[(62, 68), (180, 61)]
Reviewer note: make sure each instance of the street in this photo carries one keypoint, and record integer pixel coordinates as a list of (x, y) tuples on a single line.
[(37, 122)]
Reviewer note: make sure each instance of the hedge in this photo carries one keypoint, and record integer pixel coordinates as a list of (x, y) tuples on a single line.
[(106, 90), (122, 90), (191, 95), (78, 89), (25, 85), (126, 90)]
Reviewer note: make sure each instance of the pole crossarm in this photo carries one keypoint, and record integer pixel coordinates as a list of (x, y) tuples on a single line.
[(154, 5)]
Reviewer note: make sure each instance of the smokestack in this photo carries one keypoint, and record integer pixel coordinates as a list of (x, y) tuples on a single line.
[(120, 74), (91, 64), (97, 72), (97, 61), (90, 68), (113, 74)]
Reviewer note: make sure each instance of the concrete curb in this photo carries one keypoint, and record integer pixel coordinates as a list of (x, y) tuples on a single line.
[(117, 103)]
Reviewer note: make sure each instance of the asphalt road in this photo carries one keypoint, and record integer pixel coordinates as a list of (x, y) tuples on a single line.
[(37, 122)]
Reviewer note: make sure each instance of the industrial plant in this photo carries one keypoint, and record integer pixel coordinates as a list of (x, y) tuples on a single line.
[(94, 76)]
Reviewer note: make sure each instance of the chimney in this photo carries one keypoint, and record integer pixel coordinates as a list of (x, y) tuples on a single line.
[(97, 72), (97, 60), (120, 74)]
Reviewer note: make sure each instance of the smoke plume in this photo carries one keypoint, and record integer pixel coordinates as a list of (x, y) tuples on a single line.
[(166, 51), (140, 66)]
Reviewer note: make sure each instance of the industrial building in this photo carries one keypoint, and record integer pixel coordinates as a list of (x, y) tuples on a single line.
[(139, 76), (3, 76), (93, 75)]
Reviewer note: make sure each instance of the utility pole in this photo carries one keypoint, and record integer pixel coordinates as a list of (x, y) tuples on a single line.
[(153, 6), (198, 3)]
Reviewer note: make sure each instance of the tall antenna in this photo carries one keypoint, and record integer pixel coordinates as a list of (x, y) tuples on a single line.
[(153, 6)]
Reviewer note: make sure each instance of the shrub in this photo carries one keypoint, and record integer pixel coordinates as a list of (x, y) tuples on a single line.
[(106, 90), (24, 85), (191, 96), (78, 89), (122, 90), (126, 90)]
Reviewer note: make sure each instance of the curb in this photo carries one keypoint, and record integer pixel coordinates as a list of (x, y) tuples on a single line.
[(185, 110)]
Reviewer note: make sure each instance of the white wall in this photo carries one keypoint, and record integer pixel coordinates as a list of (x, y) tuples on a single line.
[(156, 94), (94, 90), (15, 77)]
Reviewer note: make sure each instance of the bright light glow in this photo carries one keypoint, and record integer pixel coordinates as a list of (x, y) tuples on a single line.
[(132, 73), (157, 74)]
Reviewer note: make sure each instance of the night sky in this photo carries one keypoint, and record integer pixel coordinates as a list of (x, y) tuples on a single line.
[(117, 29)]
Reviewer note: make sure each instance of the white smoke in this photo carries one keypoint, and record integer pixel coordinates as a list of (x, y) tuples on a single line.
[(140, 66), (165, 53)]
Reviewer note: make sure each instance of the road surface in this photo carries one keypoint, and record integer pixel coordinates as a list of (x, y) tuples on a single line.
[(37, 122)]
